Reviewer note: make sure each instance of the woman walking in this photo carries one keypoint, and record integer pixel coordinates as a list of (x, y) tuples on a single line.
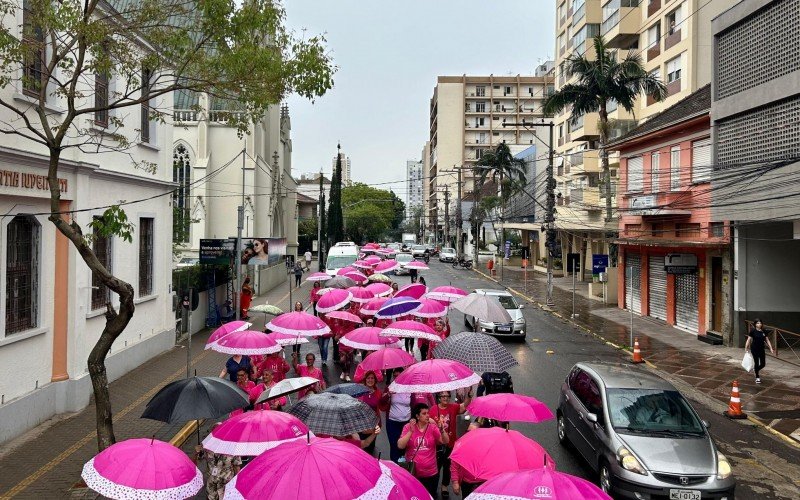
[(756, 339), (298, 274), (445, 414), (298, 307), (398, 413), (420, 438), (246, 297), (308, 370), (373, 400), (234, 364), (315, 295)]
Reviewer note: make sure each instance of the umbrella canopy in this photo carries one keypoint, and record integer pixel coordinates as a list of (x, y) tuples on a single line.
[(323, 468), (415, 264), (195, 398), (283, 340), (362, 264), (434, 375), (414, 290), (386, 266), (252, 433), (318, 277), (536, 484), (357, 276), (480, 352), (405, 485), (345, 270), (446, 294), (298, 323), (340, 282), (371, 246), (410, 329), (247, 342), (510, 451), (267, 309), (361, 295), (483, 307), (368, 338), (431, 309), (397, 307), (507, 407), (333, 300), (334, 414), (286, 386), (379, 289), (230, 327), (350, 389), (345, 316), (373, 306), (360, 374), (372, 259), (379, 278), (143, 468), (386, 359)]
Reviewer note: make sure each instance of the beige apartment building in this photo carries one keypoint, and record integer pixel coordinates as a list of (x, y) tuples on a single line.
[(673, 39), (467, 117)]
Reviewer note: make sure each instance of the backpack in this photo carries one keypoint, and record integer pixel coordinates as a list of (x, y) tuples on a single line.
[(497, 382)]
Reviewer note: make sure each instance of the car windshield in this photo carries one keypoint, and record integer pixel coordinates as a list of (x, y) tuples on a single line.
[(339, 261), (418, 247), (652, 411), (507, 301), (448, 250), (404, 257)]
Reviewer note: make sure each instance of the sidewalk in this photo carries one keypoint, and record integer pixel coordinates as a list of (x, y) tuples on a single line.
[(710, 369), (47, 461)]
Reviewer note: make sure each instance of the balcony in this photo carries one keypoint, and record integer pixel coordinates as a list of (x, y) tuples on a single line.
[(672, 39), (674, 87), (587, 197), (654, 51), (585, 161), (586, 128), (653, 6), (621, 27)]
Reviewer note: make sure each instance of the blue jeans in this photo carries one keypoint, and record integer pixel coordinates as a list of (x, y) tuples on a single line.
[(393, 430), (323, 348)]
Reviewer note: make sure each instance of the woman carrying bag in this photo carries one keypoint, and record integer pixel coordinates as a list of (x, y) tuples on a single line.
[(425, 436)]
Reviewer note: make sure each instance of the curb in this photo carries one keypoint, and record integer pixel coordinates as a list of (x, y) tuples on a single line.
[(187, 430), (754, 420)]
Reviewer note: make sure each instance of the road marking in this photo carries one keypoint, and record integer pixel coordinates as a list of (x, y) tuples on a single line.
[(19, 487)]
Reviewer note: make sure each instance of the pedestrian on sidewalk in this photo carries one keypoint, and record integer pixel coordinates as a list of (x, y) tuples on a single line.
[(275, 364), (298, 274), (756, 339), (246, 297), (315, 295), (307, 257)]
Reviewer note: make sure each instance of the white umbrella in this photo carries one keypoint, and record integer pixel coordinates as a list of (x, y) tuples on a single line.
[(482, 307), (286, 386)]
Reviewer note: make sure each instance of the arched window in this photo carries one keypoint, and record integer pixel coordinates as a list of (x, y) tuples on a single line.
[(182, 176), (22, 274)]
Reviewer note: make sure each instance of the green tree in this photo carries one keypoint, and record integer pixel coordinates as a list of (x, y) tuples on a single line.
[(370, 213), (335, 217), (601, 80), (151, 49)]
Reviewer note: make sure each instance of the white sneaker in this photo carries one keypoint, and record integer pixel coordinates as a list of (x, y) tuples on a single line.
[(347, 378), (341, 377), (758, 380)]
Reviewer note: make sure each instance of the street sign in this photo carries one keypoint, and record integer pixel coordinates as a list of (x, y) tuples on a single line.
[(599, 264), (216, 251), (573, 262)]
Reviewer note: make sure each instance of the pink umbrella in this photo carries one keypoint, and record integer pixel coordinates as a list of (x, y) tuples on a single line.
[(333, 300), (298, 323), (431, 309), (368, 338), (386, 359), (345, 316), (415, 264), (510, 408), (320, 468), (410, 329), (414, 290), (373, 259), (361, 295), (248, 342), (252, 433), (510, 451), (318, 277), (283, 340), (371, 246), (143, 468), (446, 294), (434, 375), (373, 306), (362, 264), (535, 484), (357, 276), (379, 289), (345, 270), (230, 327), (405, 485), (386, 266)]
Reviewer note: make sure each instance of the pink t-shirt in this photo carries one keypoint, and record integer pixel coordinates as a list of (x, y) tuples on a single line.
[(426, 440), (447, 417), (314, 372)]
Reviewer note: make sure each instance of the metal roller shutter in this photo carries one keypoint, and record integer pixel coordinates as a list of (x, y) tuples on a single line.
[(633, 290), (657, 287), (686, 294)]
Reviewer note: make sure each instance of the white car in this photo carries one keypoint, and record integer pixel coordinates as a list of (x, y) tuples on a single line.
[(402, 258), (418, 250), (447, 255), (515, 329)]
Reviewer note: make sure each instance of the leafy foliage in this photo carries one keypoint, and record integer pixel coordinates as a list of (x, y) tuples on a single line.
[(113, 222), (501, 165), (370, 213)]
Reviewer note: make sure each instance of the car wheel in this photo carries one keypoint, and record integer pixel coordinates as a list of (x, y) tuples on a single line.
[(561, 430), (605, 478)]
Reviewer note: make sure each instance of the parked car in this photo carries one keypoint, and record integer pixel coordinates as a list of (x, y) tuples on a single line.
[(403, 258), (188, 262), (640, 434), (514, 329), (447, 255), (418, 250)]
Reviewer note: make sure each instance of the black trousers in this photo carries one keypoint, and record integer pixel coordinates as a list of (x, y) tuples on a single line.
[(444, 466), (468, 488), (760, 358), (431, 483), (297, 279)]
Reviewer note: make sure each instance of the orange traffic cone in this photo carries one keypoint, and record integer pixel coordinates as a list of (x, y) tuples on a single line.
[(735, 406), (637, 354)]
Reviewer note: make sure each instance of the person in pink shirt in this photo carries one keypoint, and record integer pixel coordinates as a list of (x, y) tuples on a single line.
[(245, 384), (308, 370), (315, 295), (255, 392), (419, 438), (445, 413), (346, 353), (426, 347), (276, 364), (462, 481)]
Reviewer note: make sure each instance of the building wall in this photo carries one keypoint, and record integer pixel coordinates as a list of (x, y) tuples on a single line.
[(415, 183)]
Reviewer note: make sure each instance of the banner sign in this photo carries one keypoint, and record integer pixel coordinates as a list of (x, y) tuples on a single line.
[(599, 264), (217, 251), (262, 251)]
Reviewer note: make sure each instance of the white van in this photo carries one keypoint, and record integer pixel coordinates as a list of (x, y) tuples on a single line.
[(341, 255)]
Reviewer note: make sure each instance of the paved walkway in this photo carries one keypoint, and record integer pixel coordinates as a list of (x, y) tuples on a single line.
[(47, 461), (711, 369)]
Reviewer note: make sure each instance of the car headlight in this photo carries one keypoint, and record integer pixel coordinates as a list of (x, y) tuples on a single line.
[(724, 470), (519, 321), (629, 462), (483, 330)]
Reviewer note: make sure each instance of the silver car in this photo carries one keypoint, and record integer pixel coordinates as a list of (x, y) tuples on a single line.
[(514, 329), (640, 434), (402, 258), (447, 255)]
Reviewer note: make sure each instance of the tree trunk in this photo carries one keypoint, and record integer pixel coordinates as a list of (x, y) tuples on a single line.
[(604, 157), (116, 321)]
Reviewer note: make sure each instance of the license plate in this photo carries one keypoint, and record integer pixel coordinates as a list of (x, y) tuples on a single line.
[(684, 494), (503, 328)]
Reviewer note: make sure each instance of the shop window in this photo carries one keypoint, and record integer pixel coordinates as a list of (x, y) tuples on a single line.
[(22, 274)]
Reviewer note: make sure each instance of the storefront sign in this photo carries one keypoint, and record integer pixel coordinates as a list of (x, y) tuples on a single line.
[(639, 205), (216, 251), (680, 263), (599, 264), (10, 178), (573, 262)]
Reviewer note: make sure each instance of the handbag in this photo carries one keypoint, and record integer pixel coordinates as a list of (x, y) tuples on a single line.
[(409, 465), (747, 361)]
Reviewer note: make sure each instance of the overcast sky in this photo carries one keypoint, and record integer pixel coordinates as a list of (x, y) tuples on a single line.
[(389, 54)]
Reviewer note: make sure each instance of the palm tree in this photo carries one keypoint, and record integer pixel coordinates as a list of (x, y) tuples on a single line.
[(601, 81)]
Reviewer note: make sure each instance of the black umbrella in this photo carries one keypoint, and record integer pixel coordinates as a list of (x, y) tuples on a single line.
[(195, 398), (340, 282), (350, 388), (334, 414)]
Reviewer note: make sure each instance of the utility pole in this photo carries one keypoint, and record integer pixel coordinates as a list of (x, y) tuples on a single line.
[(237, 258), (459, 221), (446, 216), (319, 223)]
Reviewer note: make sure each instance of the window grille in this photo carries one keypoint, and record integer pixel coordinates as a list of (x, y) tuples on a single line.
[(22, 274), (102, 249), (146, 237), (181, 175), (33, 75)]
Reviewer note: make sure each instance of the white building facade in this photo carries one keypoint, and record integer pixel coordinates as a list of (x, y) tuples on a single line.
[(347, 180), (415, 184)]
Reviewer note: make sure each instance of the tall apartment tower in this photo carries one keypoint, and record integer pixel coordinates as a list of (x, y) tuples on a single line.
[(415, 183), (346, 179), (673, 39), (467, 117)]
